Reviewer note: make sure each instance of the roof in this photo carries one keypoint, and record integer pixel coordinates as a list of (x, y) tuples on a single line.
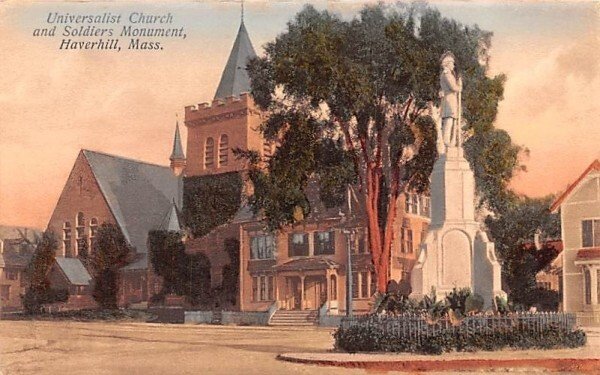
[(595, 166), (8, 231), (16, 252), (139, 263), (138, 193), (177, 152), (589, 254), (74, 270), (171, 220), (307, 264), (235, 79)]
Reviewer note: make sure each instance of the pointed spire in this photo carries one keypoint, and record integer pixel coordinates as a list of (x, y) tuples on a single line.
[(235, 79), (177, 156), (177, 152)]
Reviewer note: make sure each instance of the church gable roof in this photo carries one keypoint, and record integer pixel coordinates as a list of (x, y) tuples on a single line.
[(235, 79), (138, 194)]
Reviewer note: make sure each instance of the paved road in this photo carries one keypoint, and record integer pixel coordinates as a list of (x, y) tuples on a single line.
[(139, 348)]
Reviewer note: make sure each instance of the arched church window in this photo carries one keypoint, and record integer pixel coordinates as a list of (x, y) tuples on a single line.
[(81, 240), (223, 150), (209, 153), (66, 238), (93, 230)]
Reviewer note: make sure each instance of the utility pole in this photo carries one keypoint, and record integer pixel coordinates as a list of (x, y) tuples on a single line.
[(349, 241)]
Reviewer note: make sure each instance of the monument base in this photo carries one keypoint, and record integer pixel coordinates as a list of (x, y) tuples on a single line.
[(456, 252)]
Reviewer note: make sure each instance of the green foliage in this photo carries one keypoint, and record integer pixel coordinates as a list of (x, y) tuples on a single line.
[(363, 85), (183, 274), (39, 291), (231, 271), (474, 303), (513, 231), (372, 335), (457, 299), (395, 303), (111, 252), (210, 201)]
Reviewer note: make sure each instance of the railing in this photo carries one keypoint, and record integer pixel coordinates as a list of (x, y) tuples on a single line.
[(418, 326)]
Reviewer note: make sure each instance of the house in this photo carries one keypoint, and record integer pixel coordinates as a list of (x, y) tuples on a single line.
[(305, 267), (17, 246), (131, 194), (579, 209)]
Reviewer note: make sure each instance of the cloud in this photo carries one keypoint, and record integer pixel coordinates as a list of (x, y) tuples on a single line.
[(551, 107)]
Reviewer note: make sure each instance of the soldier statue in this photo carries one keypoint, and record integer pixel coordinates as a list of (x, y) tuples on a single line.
[(451, 87)]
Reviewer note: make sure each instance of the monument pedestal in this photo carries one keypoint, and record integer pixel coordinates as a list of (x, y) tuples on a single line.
[(456, 251)]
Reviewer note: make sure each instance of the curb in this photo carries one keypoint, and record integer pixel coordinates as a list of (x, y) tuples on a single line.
[(579, 365)]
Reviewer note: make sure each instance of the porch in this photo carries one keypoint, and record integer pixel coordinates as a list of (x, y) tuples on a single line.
[(307, 284)]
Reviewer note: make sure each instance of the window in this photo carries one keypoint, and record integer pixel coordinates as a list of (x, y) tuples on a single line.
[(333, 287), (81, 240), (543, 285), (255, 289), (324, 243), (364, 285), (11, 274), (598, 285), (67, 238), (5, 291), (262, 247), (425, 206), (407, 203), (355, 285), (590, 233), (93, 230), (262, 288), (588, 286), (406, 243), (223, 150), (267, 149), (298, 245), (362, 246), (270, 288), (209, 153), (373, 284)]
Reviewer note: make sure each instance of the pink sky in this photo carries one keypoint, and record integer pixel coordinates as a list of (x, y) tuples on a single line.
[(53, 103)]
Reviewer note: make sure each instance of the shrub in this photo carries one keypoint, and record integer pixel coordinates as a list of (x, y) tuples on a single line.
[(375, 334)]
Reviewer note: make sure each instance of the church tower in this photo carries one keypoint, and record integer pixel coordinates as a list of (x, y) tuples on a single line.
[(177, 156), (230, 121)]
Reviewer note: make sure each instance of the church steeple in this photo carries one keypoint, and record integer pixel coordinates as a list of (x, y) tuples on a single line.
[(177, 157), (235, 79)]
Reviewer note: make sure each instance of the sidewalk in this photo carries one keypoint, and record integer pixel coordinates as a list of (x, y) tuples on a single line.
[(580, 360), (550, 361)]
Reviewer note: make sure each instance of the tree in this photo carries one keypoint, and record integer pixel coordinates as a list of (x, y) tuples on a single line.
[(347, 102), (39, 291), (111, 252), (513, 231), (183, 274)]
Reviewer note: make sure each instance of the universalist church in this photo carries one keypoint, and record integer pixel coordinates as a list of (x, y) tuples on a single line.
[(300, 269)]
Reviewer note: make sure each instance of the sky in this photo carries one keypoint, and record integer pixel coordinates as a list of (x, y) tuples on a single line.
[(55, 102)]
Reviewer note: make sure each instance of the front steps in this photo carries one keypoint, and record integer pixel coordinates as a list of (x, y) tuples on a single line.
[(294, 318)]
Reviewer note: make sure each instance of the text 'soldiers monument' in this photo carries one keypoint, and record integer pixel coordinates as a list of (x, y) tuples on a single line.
[(456, 251)]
